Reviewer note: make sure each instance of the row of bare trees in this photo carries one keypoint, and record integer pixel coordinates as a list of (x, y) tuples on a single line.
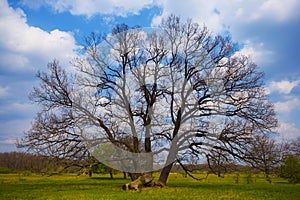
[(140, 100), (264, 154), (20, 161)]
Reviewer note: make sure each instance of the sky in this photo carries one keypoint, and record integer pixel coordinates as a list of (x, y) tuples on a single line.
[(34, 32)]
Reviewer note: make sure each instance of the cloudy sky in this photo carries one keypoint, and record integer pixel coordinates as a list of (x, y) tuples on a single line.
[(34, 32)]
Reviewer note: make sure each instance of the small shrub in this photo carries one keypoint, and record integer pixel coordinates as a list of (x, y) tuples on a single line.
[(26, 173)]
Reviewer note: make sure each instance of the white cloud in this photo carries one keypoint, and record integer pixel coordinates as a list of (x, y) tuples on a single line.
[(215, 13), (288, 131), (283, 87), (287, 106), (257, 53), (230, 13), (34, 4), (201, 11), (277, 9), (25, 47), (93, 7), (23, 50), (237, 16)]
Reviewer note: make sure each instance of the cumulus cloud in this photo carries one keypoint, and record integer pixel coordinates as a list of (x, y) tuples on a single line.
[(288, 131), (92, 7), (277, 9), (283, 87), (289, 102), (219, 14), (215, 13), (25, 47), (287, 106), (201, 11), (257, 52)]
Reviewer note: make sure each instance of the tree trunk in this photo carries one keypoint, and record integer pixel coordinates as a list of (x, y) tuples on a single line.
[(111, 173), (162, 181), (164, 174), (134, 176)]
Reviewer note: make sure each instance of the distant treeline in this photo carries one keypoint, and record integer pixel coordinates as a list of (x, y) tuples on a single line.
[(20, 161), (225, 168)]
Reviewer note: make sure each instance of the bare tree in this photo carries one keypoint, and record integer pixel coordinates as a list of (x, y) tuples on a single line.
[(219, 161), (52, 133), (265, 154), (295, 147), (143, 98)]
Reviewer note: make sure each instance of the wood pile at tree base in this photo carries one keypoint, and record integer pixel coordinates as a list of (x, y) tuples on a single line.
[(142, 181)]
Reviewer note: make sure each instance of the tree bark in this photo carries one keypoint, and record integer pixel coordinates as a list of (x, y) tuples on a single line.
[(162, 181), (134, 176), (111, 174)]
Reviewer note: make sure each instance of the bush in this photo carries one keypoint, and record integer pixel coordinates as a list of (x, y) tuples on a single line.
[(26, 173), (290, 169), (5, 170)]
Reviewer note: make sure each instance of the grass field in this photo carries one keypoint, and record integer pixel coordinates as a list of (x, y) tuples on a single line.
[(71, 186)]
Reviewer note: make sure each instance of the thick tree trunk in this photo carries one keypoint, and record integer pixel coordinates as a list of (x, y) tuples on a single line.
[(162, 181), (164, 174)]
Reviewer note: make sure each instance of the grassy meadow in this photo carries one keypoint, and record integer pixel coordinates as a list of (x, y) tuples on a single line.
[(71, 186)]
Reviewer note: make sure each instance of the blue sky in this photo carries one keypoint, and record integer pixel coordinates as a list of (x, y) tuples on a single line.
[(34, 32)]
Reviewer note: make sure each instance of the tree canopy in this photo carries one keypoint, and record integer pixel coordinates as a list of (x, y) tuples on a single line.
[(140, 99)]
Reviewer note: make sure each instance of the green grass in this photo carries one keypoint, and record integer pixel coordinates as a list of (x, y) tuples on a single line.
[(71, 186)]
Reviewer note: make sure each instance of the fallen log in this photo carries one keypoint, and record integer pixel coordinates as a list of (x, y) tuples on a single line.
[(142, 181)]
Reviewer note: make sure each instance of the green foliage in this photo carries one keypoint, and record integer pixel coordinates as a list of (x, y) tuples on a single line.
[(26, 173), (5, 170), (290, 169), (101, 169)]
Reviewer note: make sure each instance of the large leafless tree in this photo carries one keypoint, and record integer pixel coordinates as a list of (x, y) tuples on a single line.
[(144, 98)]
